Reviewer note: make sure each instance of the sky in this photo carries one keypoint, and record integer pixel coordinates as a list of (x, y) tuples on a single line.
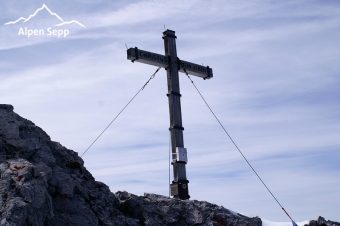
[(275, 88)]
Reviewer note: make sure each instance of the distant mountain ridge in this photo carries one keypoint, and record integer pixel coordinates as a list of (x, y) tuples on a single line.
[(44, 183)]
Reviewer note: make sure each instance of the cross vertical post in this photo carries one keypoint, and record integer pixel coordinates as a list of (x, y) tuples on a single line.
[(179, 186), (173, 65)]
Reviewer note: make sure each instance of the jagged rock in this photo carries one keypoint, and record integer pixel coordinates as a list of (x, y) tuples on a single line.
[(322, 222), (156, 210), (44, 183)]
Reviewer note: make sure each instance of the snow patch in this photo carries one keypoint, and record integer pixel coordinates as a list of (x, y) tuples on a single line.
[(266, 222)]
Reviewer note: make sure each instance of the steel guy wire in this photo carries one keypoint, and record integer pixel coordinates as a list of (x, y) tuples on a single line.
[(236, 146), (121, 111)]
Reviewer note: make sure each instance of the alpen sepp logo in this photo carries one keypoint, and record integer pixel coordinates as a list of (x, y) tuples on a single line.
[(55, 26)]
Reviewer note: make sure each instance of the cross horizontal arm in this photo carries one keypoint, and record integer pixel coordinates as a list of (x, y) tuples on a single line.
[(195, 69), (135, 54)]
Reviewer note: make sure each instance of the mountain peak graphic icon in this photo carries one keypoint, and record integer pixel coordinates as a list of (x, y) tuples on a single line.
[(45, 7)]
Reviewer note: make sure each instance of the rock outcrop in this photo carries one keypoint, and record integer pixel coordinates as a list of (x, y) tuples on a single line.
[(154, 209), (44, 183), (322, 222)]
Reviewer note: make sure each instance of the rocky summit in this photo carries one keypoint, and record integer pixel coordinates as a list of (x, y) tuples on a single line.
[(44, 183)]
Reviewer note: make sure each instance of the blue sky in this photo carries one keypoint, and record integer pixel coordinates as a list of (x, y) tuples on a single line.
[(275, 88)]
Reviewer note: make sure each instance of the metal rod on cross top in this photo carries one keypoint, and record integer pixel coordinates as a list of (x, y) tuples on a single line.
[(172, 64)]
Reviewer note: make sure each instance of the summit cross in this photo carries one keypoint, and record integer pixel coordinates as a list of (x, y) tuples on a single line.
[(172, 64)]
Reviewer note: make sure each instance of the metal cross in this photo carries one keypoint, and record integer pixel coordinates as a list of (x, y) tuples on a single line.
[(172, 64)]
